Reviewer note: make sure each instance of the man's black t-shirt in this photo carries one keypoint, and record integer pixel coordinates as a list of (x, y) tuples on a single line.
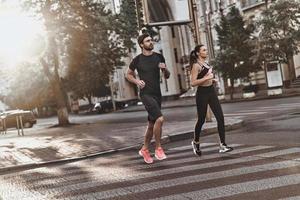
[(148, 70)]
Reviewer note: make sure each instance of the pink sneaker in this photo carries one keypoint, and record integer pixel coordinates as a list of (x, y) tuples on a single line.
[(146, 155), (160, 154)]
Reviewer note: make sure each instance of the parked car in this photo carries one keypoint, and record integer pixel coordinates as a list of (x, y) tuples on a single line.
[(107, 106), (103, 106), (10, 118)]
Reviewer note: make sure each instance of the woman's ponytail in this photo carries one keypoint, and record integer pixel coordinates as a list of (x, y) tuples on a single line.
[(193, 58), (194, 55)]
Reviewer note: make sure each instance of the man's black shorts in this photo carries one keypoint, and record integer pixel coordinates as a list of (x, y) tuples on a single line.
[(152, 104)]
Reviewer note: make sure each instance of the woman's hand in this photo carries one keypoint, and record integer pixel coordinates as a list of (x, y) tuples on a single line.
[(209, 75)]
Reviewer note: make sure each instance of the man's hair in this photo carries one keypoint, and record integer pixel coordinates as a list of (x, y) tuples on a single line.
[(141, 38)]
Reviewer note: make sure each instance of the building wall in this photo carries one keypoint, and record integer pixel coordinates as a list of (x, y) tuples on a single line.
[(123, 89), (209, 16), (297, 64), (175, 44)]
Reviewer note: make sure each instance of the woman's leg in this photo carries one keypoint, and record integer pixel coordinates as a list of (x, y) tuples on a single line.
[(217, 110), (202, 102)]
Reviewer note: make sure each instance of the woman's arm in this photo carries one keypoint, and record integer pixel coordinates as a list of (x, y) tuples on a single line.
[(194, 74)]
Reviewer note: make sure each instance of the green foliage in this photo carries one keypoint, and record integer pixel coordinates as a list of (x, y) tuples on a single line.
[(130, 22), (233, 58), (27, 88), (85, 39), (279, 33), (93, 52)]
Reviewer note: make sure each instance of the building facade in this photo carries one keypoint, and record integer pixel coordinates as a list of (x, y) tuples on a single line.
[(209, 15), (174, 43)]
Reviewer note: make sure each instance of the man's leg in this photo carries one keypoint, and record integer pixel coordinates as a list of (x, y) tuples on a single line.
[(157, 130), (145, 149), (148, 135)]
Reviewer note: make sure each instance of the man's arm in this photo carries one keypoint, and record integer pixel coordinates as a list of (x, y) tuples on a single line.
[(130, 76), (165, 70)]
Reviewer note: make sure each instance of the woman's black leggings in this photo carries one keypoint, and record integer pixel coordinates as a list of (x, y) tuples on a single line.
[(207, 96)]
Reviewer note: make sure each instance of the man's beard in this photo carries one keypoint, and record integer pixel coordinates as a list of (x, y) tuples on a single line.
[(149, 48)]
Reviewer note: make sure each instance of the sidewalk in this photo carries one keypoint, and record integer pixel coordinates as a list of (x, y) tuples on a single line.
[(40, 147)]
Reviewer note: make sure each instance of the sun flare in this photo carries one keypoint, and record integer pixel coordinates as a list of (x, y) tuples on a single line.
[(21, 36)]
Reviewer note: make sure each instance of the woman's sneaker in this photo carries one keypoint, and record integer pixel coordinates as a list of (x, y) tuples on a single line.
[(196, 148), (224, 148)]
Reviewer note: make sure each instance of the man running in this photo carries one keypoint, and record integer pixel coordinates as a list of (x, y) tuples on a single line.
[(148, 65)]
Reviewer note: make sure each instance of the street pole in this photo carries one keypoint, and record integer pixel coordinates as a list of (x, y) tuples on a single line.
[(138, 17), (195, 28)]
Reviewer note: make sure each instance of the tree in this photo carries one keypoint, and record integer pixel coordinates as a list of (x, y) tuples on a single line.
[(233, 58), (82, 47), (131, 20), (93, 52), (279, 34), (55, 15)]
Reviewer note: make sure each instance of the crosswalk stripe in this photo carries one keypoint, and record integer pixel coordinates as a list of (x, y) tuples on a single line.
[(291, 198), (268, 194), (279, 106), (249, 113), (282, 152), (233, 189), (18, 193), (189, 146), (259, 110)]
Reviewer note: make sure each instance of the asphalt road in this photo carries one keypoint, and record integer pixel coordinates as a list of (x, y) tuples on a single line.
[(265, 164)]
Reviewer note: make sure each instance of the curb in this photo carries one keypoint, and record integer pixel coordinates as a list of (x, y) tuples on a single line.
[(165, 139)]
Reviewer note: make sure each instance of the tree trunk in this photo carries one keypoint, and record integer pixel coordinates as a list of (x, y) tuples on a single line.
[(63, 116), (291, 67), (62, 111), (231, 88), (89, 97), (54, 79)]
